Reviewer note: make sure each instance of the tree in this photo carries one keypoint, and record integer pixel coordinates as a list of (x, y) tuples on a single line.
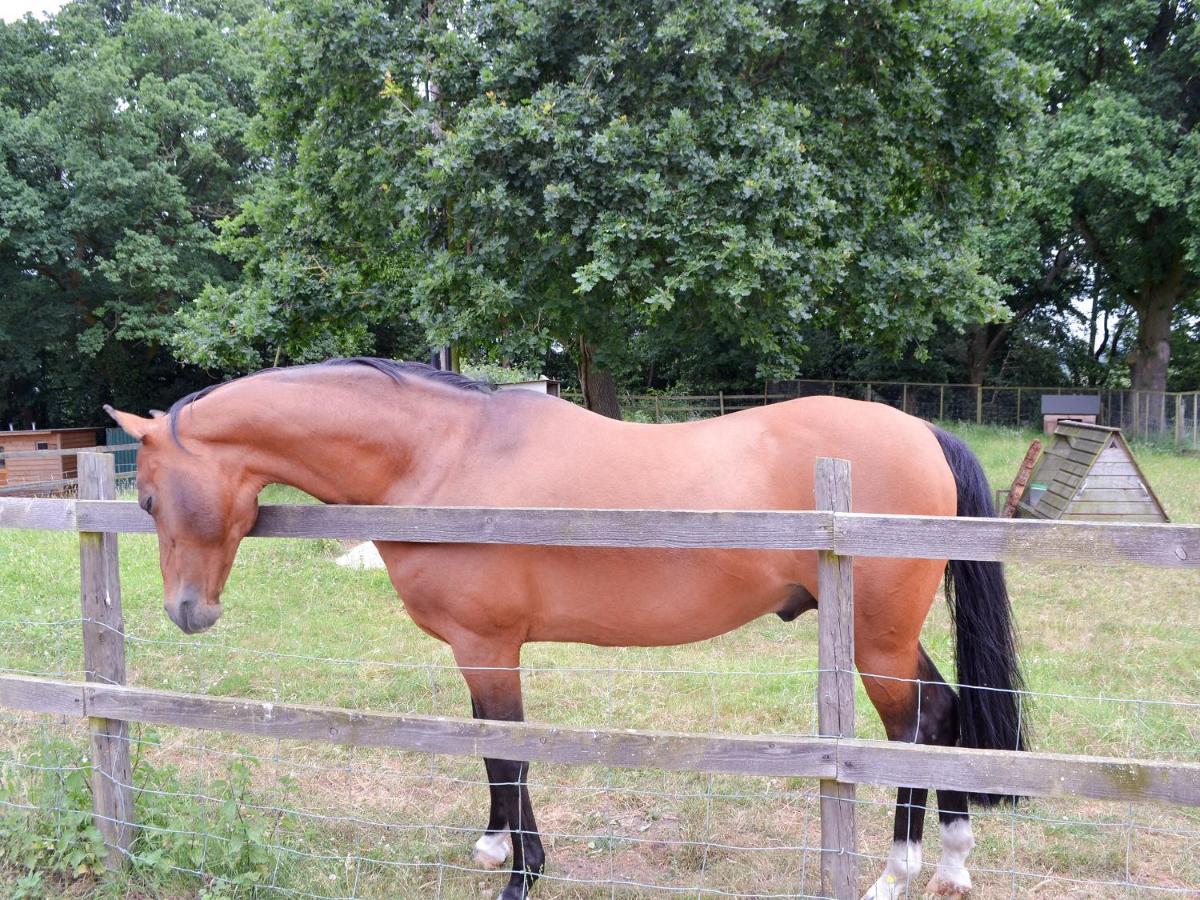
[(1121, 157), (519, 175), (121, 145)]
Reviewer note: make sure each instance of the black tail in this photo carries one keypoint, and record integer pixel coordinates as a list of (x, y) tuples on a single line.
[(990, 712)]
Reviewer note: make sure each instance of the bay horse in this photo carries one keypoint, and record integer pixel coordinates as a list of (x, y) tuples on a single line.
[(374, 431)]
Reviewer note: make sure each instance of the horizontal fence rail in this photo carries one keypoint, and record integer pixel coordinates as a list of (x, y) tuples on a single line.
[(835, 757), (847, 760), (847, 534)]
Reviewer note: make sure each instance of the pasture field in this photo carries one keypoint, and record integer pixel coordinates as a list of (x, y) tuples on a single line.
[(226, 815)]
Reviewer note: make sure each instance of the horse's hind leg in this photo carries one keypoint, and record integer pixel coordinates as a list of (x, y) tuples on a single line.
[(917, 705), (495, 684)]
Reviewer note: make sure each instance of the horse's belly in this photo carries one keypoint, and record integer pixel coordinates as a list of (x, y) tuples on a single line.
[(609, 597)]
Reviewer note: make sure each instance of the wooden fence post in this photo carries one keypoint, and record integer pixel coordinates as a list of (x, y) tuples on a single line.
[(835, 685), (979, 404), (1018, 407), (1178, 420), (941, 401), (104, 662)]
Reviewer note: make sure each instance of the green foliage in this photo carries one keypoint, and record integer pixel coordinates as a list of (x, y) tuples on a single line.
[(1114, 166), (47, 826), (519, 175), (121, 144), (48, 829)]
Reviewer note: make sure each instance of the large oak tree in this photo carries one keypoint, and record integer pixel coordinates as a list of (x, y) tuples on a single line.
[(517, 175), (121, 145)]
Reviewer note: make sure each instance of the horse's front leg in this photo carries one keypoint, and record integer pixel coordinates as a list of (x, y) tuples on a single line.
[(494, 680)]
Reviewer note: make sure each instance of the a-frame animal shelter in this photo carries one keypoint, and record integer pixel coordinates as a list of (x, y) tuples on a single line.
[(1089, 472)]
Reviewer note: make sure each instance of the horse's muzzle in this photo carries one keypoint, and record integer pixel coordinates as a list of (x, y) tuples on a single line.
[(192, 614)]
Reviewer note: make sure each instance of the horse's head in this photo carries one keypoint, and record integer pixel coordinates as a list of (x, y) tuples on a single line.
[(203, 504)]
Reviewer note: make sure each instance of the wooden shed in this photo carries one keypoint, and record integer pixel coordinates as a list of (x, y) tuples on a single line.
[(1061, 407), (26, 470), (1089, 472)]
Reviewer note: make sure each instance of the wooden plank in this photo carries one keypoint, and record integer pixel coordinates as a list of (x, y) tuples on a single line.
[(1114, 483), (835, 684), (1082, 508), (1121, 468), (1012, 540), (40, 695), (35, 486), (39, 514), (1017, 490), (104, 662), (71, 451), (813, 757), (783, 530), (1067, 464), (1027, 510), (1114, 517), (856, 534), (1134, 494), (895, 764), (1055, 499), (1089, 445), (1021, 774)]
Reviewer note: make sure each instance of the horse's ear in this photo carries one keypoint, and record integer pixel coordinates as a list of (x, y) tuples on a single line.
[(134, 425)]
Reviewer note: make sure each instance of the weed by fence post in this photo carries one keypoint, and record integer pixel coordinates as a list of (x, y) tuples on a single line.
[(104, 662), (835, 685)]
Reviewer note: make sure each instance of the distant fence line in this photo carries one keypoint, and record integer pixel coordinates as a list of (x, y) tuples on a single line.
[(1150, 415), (834, 755)]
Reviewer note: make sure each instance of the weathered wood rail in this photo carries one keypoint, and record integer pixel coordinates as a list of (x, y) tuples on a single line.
[(834, 756)]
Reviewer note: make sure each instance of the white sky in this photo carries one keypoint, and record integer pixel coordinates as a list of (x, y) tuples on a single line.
[(14, 9)]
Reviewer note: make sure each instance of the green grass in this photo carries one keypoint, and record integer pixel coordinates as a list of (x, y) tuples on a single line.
[(376, 823)]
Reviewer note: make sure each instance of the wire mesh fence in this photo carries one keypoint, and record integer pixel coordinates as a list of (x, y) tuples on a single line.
[(320, 820), (1163, 417), (233, 814)]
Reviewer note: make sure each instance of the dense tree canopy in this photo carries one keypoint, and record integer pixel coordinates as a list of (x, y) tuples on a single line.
[(518, 175), (120, 147), (630, 193), (1117, 157)]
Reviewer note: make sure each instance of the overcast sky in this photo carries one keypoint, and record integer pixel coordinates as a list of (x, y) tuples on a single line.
[(14, 9)]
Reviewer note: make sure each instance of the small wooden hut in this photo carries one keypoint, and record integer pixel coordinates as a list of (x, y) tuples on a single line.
[(1089, 472), (46, 468)]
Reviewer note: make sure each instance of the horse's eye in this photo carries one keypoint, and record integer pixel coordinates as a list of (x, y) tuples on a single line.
[(147, 503)]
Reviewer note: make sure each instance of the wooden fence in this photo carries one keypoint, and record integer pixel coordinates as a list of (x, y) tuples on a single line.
[(834, 756)]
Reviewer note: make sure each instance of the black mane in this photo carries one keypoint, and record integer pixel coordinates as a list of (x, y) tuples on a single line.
[(393, 369)]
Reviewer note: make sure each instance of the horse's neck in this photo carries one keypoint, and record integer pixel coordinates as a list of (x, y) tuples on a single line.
[(342, 445)]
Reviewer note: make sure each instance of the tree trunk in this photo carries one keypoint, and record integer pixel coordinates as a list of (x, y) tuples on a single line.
[(1152, 352), (599, 388), (982, 343)]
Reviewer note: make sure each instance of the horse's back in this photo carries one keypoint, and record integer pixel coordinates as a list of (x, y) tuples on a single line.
[(761, 458)]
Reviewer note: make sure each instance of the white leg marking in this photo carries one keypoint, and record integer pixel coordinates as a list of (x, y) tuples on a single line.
[(904, 862), (952, 878), (491, 850)]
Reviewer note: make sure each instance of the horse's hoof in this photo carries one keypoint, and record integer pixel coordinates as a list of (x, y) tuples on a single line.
[(887, 888), (491, 851), (941, 887)]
